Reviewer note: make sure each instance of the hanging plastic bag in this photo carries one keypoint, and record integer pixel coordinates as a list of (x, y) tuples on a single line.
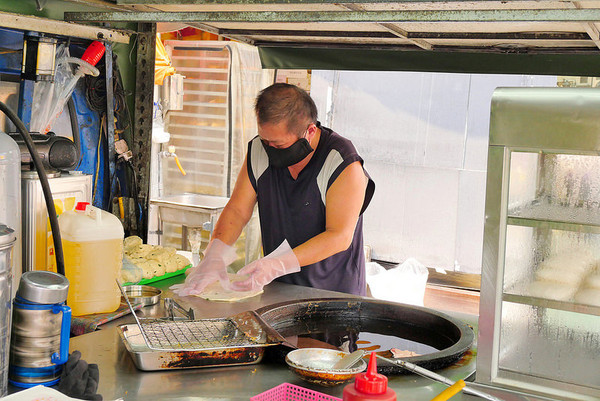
[(162, 64), (45, 93), (403, 283), (49, 98)]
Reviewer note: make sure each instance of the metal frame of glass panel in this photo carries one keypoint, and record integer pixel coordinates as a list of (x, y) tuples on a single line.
[(544, 121)]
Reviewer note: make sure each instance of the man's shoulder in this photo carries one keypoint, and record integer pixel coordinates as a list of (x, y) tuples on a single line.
[(337, 141)]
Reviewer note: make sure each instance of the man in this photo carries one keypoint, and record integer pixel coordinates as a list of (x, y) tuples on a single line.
[(311, 190)]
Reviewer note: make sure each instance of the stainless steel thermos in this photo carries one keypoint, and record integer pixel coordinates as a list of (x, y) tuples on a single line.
[(40, 329), (7, 240)]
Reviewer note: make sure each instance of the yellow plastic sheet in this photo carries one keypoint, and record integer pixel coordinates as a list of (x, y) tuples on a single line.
[(162, 64)]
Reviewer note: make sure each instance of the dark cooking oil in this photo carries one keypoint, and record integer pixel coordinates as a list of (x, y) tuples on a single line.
[(350, 341), (383, 342)]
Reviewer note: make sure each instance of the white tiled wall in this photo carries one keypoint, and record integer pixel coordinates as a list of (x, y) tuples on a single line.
[(424, 139)]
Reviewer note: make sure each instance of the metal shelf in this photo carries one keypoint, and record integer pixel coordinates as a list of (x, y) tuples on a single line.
[(553, 225), (551, 304), (556, 217)]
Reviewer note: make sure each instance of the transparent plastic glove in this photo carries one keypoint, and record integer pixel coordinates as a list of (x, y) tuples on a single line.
[(213, 267), (261, 272)]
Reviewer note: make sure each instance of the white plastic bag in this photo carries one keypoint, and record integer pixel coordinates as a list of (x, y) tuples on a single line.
[(404, 283), (45, 93)]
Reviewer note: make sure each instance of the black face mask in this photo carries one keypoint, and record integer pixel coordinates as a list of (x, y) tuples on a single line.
[(291, 155)]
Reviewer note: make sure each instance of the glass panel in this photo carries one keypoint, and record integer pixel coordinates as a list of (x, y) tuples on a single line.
[(555, 187), (523, 180), (200, 132), (552, 264), (548, 343)]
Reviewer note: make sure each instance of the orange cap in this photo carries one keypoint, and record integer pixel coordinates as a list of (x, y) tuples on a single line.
[(371, 382)]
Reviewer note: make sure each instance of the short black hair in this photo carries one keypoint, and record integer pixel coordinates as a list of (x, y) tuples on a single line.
[(284, 102)]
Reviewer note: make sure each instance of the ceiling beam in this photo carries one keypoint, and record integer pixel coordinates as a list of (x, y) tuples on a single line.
[(393, 28), (217, 31), (110, 5), (26, 22), (551, 15), (396, 30), (416, 35), (590, 28), (436, 49), (242, 2)]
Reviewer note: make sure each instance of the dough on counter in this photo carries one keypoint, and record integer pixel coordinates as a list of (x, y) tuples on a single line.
[(181, 260), (141, 251), (571, 278), (170, 250), (589, 296), (552, 290), (214, 291), (160, 255), (593, 281), (577, 262), (132, 242)]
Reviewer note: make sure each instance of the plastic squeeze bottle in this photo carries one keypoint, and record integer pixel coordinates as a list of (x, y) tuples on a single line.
[(369, 386)]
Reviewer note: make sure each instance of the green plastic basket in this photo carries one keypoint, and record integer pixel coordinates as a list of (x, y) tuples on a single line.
[(159, 278)]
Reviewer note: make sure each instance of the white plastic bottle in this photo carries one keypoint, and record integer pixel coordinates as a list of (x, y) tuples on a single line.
[(92, 241)]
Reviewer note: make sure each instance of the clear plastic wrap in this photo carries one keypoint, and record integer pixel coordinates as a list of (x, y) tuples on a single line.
[(45, 92), (50, 97)]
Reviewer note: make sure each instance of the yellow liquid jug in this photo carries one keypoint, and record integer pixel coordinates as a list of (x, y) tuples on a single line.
[(92, 241)]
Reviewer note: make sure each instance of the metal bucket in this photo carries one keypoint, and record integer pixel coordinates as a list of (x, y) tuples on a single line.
[(7, 241)]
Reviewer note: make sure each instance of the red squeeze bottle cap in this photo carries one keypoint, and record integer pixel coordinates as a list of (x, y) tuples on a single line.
[(93, 53), (81, 206), (371, 382)]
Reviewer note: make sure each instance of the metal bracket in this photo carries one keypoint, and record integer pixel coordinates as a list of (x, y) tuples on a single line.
[(142, 120)]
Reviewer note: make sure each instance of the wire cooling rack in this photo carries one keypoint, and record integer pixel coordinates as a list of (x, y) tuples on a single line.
[(193, 335)]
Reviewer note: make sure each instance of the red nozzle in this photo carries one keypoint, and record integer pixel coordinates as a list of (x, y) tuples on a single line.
[(93, 53), (371, 382), (81, 206)]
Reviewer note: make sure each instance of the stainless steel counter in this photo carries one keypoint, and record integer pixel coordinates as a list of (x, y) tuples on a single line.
[(119, 378)]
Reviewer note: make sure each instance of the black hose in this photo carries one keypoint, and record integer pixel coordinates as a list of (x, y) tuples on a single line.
[(58, 251), (74, 126)]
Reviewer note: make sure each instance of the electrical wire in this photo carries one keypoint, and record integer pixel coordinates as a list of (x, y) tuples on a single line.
[(96, 97), (98, 157), (52, 215)]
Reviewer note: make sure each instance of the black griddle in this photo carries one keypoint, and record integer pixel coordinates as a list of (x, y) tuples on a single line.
[(346, 317)]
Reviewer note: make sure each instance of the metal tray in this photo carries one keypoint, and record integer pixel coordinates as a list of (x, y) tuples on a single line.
[(148, 359)]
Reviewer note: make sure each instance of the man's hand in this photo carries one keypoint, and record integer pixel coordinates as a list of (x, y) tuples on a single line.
[(262, 271), (213, 267)]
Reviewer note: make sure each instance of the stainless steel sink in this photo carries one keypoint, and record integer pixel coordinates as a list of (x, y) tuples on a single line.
[(187, 209)]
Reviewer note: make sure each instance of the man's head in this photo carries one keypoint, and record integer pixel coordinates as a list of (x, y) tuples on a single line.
[(288, 105)]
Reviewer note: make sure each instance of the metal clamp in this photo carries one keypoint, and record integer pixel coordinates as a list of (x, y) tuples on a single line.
[(171, 305)]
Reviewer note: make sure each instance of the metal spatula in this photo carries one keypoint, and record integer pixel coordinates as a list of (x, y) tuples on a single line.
[(349, 360)]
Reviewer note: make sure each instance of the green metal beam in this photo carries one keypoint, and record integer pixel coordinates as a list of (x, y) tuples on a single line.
[(417, 60), (203, 2), (553, 15)]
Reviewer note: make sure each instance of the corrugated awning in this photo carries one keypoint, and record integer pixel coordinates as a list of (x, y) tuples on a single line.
[(473, 36)]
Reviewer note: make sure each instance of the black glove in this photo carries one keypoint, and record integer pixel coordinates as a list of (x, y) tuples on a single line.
[(79, 379)]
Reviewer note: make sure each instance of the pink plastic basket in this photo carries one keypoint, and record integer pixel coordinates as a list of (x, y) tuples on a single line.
[(290, 392)]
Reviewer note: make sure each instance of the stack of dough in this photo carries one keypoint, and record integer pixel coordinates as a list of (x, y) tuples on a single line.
[(154, 260), (589, 294), (559, 276)]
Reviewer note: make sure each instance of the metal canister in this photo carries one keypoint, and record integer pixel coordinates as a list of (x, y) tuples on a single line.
[(40, 329), (7, 240)]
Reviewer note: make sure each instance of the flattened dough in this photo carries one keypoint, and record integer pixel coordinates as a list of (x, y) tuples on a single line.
[(214, 291)]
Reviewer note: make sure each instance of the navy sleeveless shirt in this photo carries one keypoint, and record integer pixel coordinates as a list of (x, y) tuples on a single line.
[(295, 210)]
